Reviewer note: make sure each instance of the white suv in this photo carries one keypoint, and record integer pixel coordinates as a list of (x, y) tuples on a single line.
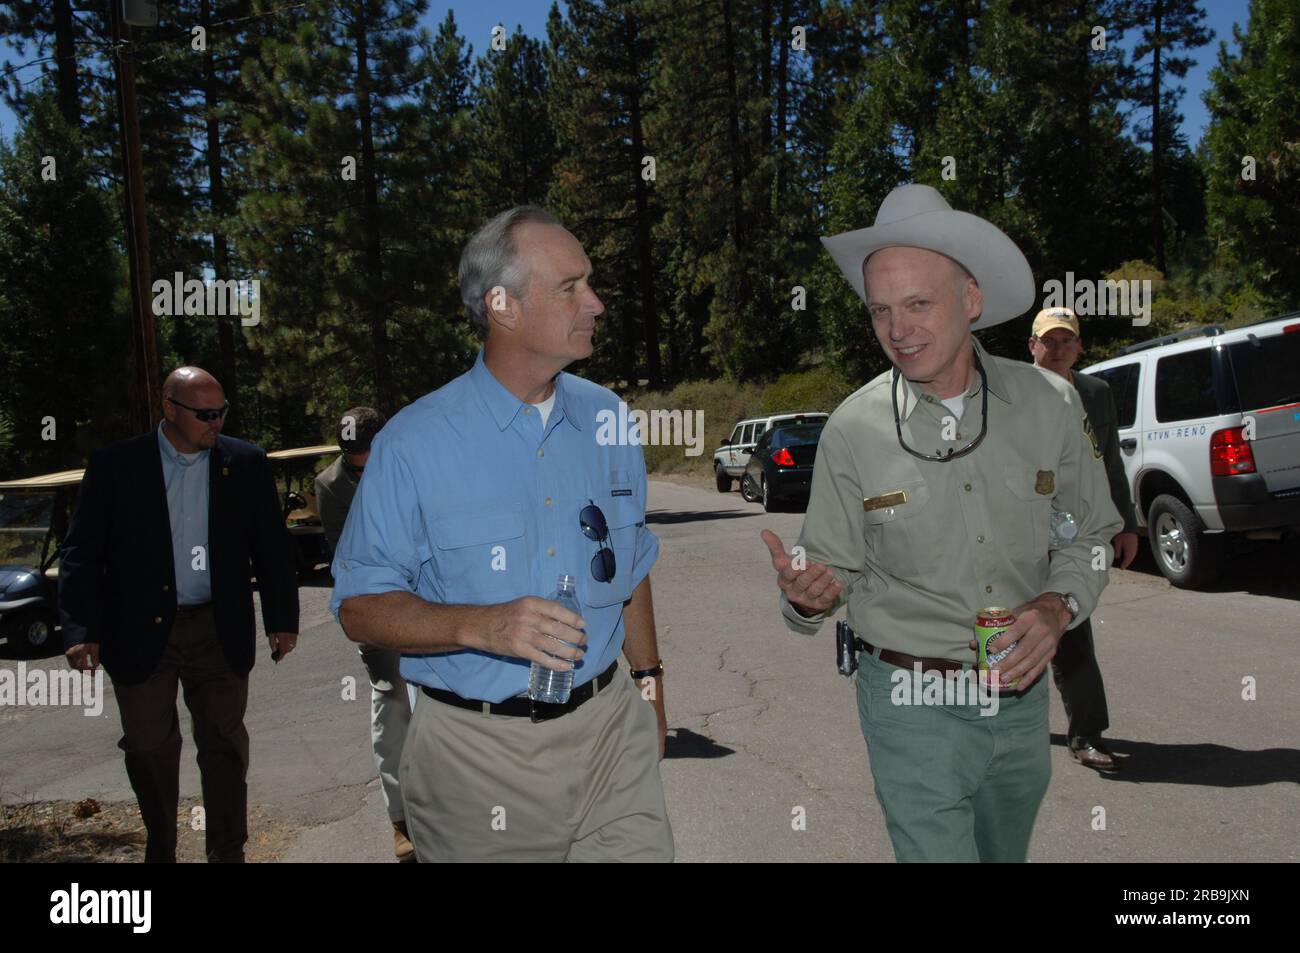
[(1209, 429), (730, 458)]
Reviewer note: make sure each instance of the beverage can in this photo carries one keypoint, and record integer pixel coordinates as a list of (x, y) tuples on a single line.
[(989, 624)]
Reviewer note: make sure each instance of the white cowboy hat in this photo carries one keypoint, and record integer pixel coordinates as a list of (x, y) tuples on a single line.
[(918, 216)]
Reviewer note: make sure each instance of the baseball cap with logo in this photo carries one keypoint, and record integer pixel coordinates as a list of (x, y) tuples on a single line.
[(1049, 319)]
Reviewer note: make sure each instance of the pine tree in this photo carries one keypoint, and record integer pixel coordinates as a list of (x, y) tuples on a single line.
[(1251, 153), (1167, 27), (61, 320)]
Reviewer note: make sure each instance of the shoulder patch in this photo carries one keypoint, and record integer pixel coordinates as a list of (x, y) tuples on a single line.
[(1092, 437)]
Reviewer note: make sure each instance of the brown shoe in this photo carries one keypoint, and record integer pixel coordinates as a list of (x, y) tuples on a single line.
[(1090, 753), (402, 845)]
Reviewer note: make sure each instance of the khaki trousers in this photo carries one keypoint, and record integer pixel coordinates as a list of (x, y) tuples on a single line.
[(583, 787)]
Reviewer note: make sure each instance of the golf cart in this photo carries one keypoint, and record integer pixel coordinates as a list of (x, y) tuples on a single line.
[(311, 550), (34, 517)]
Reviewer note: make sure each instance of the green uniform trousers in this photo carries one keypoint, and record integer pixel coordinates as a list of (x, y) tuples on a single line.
[(955, 785)]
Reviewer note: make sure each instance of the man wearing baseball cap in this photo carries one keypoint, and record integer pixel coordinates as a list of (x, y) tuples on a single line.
[(1055, 344), (931, 499)]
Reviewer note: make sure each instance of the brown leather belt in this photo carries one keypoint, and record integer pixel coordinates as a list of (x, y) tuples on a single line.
[(903, 660)]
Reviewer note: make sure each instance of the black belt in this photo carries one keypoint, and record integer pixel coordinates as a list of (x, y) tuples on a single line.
[(192, 608), (526, 707)]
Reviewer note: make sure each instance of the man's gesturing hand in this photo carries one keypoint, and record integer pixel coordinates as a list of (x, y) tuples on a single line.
[(812, 589), (535, 629)]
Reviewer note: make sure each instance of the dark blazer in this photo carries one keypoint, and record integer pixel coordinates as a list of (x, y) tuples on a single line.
[(1099, 405), (117, 580)]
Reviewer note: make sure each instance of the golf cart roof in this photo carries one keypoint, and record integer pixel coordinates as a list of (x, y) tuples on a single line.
[(49, 481), (298, 453)]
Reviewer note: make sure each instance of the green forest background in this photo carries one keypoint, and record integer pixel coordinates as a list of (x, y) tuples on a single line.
[(759, 147)]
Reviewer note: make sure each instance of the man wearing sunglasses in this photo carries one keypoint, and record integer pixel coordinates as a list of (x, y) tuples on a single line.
[(155, 584), (476, 499), (931, 499)]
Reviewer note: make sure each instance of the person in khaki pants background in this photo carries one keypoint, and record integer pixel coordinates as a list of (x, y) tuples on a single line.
[(154, 583), (390, 707)]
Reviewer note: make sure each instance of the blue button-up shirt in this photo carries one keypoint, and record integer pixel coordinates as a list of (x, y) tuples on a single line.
[(468, 500), (185, 475)]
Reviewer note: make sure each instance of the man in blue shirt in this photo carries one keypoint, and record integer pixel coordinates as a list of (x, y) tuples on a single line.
[(477, 498)]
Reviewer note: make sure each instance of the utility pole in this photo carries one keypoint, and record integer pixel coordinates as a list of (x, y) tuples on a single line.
[(145, 400)]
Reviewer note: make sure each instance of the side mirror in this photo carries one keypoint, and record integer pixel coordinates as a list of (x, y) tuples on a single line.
[(724, 442)]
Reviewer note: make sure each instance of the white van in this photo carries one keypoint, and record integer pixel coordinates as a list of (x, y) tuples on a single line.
[(1209, 430)]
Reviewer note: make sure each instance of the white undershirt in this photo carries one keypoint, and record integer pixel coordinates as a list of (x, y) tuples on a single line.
[(955, 404), (545, 407)]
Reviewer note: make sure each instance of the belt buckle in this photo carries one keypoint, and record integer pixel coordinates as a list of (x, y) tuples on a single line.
[(547, 711)]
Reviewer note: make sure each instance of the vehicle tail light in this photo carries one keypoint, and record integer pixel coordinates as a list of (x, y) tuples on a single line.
[(782, 458), (1230, 453)]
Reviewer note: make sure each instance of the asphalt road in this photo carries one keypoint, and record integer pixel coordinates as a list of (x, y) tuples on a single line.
[(761, 725)]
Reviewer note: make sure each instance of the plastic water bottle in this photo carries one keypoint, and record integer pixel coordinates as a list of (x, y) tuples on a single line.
[(548, 685), (1063, 529)]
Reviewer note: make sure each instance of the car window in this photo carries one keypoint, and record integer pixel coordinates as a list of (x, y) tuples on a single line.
[(747, 434), (735, 434), (796, 436), (763, 442), (1267, 370), (1123, 381), (1185, 386)]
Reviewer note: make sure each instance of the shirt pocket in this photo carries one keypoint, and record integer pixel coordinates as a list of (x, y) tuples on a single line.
[(1029, 509), (481, 558), (624, 518), (896, 534)]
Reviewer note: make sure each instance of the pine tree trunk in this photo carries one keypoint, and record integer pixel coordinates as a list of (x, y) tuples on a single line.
[(1158, 205), (374, 303), (217, 205)]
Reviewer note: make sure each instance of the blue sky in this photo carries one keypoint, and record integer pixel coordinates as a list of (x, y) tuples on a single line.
[(476, 20)]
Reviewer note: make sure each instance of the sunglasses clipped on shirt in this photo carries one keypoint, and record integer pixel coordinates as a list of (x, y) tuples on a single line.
[(592, 521), (204, 415)]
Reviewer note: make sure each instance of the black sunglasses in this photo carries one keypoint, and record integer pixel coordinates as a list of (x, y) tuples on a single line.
[(203, 415), (594, 528)]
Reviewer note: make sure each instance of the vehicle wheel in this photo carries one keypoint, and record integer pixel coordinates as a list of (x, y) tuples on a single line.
[(31, 631), (721, 478), (769, 504), (1187, 556), (747, 489)]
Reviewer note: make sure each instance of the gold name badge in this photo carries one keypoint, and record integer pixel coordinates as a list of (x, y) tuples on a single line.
[(896, 498)]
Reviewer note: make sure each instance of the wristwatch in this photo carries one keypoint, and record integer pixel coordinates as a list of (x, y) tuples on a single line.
[(656, 671), (1071, 603)]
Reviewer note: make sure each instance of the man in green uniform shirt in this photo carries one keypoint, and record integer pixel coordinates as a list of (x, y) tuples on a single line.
[(932, 498)]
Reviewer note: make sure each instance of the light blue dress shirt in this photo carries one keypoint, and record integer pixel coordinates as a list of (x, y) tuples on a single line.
[(468, 500), (185, 476)]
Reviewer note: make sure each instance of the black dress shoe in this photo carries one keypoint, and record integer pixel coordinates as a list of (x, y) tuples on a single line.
[(1091, 753)]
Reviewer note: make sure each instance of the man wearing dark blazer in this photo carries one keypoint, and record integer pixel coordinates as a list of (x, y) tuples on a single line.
[(154, 583), (1055, 344)]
